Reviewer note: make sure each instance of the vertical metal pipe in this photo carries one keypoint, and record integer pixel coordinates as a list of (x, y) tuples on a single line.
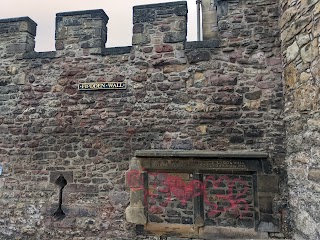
[(198, 2)]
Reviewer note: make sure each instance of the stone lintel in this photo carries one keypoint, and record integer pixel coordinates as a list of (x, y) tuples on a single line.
[(201, 154)]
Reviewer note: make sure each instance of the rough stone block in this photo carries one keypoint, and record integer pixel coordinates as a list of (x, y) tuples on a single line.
[(268, 183), (265, 202), (175, 37), (220, 80), (163, 48), (268, 227), (84, 188), (314, 174), (198, 56), (136, 215), (225, 98), (140, 39), (143, 15), (138, 28), (310, 51)]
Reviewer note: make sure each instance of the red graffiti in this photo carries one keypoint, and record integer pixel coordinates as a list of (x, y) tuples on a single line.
[(184, 192), (236, 201), (164, 188), (134, 179), (175, 187)]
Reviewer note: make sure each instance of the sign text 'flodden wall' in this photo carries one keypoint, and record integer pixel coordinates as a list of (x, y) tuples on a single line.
[(101, 86)]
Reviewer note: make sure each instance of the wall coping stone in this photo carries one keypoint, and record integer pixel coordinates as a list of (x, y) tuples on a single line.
[(159, 5), (94, 13), (31, 25), (41, 55), (18, 19), (202, 154)]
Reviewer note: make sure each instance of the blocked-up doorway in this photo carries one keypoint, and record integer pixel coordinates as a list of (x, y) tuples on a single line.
[(202, 194)]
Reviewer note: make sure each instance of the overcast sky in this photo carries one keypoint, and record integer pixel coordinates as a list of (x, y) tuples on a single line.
[(119, 11)]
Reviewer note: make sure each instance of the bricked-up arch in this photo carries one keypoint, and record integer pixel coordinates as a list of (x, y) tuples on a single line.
[(203, 194)]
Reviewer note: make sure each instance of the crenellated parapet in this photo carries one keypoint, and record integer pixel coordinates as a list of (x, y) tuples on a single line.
[(157, 28)]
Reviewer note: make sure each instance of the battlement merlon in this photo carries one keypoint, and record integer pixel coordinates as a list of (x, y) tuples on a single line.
[(158, 24), (81, 30), (17, 35)]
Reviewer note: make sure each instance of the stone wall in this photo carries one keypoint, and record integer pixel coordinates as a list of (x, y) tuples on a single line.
[(300, 32), (216, 95)]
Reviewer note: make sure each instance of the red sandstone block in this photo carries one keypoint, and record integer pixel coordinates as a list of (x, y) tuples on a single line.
[(163, 48)]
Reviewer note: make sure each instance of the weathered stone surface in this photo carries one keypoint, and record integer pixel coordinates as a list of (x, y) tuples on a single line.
[(143, 15), (302, 39), (117, 197), (310, 51), (290, 75), (253, 95), (292, 52), (174, 68), (306, 224), (314, 175), (198, 56), (220, 80), (304, 77), (163, 48), (140, 38), (295, 28), (138, 28), (174, 37), (287, 16), (301, 107), (303, 95), (136, 215), (227, 98)]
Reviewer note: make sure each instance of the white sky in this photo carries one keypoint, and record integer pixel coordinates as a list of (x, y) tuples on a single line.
[(119, 11)]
